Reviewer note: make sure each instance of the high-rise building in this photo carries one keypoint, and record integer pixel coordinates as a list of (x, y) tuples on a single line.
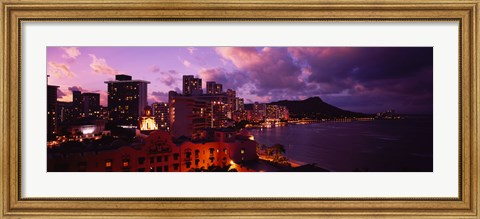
[(210, 87), (91, 104), (218, 114), (52, 118), (189, 116), (192, 85), (276, 112), (259, 111), (77, 104), (213, 88), (126, 100), (239, 105), (230, 104), (104, 113), (64, 112), (85, 105), (218, 107), (240, 115), (162, 115)]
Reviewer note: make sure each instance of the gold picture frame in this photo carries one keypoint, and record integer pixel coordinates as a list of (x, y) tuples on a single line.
[(15, 12)]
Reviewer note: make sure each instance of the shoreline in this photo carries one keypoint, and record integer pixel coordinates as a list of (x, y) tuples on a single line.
[(293, 163)]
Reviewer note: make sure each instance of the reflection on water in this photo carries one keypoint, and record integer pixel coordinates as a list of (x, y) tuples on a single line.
[(375, 146)]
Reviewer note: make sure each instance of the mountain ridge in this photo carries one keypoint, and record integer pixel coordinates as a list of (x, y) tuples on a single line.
[(315, 108)]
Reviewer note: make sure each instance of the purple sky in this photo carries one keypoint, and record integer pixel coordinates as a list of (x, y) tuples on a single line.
[(362, 79)]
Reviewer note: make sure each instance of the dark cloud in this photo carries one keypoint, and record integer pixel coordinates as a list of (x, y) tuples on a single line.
[(371, 79), (167, 80), (77, 88), (378, 78), (158, 96), (268, 68), (337, 69)]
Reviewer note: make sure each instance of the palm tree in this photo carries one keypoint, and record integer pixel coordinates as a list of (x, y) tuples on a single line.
[(269, 151), (278, 150)]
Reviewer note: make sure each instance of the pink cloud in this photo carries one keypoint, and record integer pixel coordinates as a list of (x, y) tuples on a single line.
[(215, 74), (60, 70), (229, 79), (70, 52), (186, 63), (66, 96), (100, 66), (241, 57)]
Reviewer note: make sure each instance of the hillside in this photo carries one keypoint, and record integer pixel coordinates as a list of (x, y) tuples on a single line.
[(315, 107)]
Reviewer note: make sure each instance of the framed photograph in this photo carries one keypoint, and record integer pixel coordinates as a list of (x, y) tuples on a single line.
[(251, 109)]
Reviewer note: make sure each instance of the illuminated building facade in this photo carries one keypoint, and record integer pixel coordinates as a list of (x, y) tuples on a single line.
[(104, 113), (214, 88), (52, 118), (77, 104), (276, 112), (259, 111), (239, 104), (91, 104), (192, 85), (219, 114), (189, 116), (86, 128), (64, 111), (230, 107), (161, 111), (126, 100), (147, 121), (157, 153), (218, 109), (85, 105), (240, 115), (239, 112)]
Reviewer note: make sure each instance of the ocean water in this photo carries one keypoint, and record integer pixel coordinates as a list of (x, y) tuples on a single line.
[(404, 145)]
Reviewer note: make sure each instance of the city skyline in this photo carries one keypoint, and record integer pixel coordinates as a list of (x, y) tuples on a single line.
[(355, 78), (207, 125)]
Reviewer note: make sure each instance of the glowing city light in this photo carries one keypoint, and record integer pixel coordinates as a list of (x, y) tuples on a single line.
[(86, 130)]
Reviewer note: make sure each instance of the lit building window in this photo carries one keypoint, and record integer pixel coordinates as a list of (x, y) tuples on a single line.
[(108, 163)]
